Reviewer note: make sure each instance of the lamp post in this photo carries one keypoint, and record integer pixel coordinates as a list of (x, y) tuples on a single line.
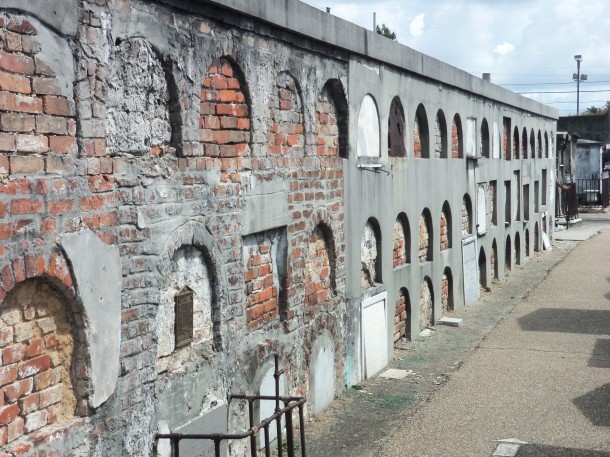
[(578, 77)]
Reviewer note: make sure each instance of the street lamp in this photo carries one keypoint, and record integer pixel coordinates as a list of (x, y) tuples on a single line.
[(578, 78)]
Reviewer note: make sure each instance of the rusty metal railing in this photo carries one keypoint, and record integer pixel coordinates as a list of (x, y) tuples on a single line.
[(290, 404)]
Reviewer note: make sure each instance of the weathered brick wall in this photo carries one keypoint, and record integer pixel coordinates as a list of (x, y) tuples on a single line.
[(446, 304), (399, 251), (444, 232), (417, 143), (424, 238), (400, 315), (425, 304), (455, 139), (466, 217), (438, 137)]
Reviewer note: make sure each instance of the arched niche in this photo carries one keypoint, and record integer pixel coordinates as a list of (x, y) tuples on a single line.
[(320, 265), (446, 235), (138, 105), (322, 373), (485, 141), (524, 154), (466, 216), (425, 236), (532, 144), (332, 120), (265, 382), (286, 128), (482, 268), (370, 254), (440, 135), (396, 130), (367, 145), (517, 259), (421, 136), (508, 258), (402, 316), (426, 304), (447, 291), (494, 260), (457, 140), (516, 146), (401, 241)]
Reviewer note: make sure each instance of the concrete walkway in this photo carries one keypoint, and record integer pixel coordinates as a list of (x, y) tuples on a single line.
[(541, 376)]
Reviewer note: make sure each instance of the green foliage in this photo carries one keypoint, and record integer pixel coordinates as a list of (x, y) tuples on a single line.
[(594, 110), (386, 32)]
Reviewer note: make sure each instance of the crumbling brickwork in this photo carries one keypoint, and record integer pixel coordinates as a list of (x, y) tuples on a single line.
[(401, 315), (426, 304)]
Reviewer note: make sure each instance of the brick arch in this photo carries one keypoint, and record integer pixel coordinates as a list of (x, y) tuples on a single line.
[(494, 260), (401, 241), (516, 145), (466, 215), (524, 144), (332, 113), (327, 219), (396, 129), (426, 303), (44, 348), (195, 235), (320, 265), (224, 117), (426, 236), (447, 303), (285, 134), (402, 315), (532, 144), (421, 135), (457, 138), (446, 232), (440, 135)]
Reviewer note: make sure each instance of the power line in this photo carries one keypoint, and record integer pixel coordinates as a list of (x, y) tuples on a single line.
[(553, 84), (563, 92)]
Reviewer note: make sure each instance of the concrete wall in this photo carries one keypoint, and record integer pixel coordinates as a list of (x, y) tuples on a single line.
[(152, 148)]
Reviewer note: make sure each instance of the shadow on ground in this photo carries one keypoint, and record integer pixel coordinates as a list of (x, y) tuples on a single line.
[(601, 354), (589, 322), (541, 450), (594, 406)]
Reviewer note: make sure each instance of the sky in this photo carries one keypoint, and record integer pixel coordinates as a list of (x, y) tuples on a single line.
[(528, 46)]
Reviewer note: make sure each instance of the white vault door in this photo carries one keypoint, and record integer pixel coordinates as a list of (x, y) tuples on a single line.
[(374, 334)]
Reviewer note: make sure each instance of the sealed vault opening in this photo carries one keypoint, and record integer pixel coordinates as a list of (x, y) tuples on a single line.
[(374, 334)]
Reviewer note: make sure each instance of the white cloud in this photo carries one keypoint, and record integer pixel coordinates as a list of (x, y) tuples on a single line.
[(504, 48), (416, 28)]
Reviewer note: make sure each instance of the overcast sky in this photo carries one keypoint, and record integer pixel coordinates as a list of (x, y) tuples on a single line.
[(526, 45)]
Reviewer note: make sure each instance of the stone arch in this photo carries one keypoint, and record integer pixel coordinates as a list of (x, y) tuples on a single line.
[(532, 144), (440, 135), (402, 315), (457, 139), (527, 243), (138, 109), (426, 304), (332, 120), (320, 265), (524, 144), (421, 136), (401, 241), (446, 227), (536, 238), (396, 129), (539, 145), (485, 138), (494, 260), (285, 135), (370, 254), (466, 215), (447, 291), (517, 249), (482, 268), (191, 246), (508, 257), (546, 145), (426, 235), (516, 147), (224, 122), (367, 145)]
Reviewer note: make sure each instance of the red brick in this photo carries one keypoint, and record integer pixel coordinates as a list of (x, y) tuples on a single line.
[(51, 124), (35, 348), (50, 396), (8, 374), (19, 269), (7, 142), (32, 143), (60, 207), (58, 106), (14, 83), (18, 122), (34, 265), (45, 86), (13, 391), (46, 379), (13, 353), (25, 206), (34, 366), (16, 63), (6, 230), (29, 403), (15, 429), (8, 413), (63, 144), (3, 437), (20, 164), (21, 103), (21, 25)]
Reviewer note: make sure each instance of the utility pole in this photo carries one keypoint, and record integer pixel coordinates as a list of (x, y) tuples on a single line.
[(374, 22), (578, 77)]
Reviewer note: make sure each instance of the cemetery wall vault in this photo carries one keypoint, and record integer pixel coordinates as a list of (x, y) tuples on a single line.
[(190, 187)]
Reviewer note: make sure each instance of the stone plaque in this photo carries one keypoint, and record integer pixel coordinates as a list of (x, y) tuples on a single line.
[(184, 317), (214, 421), (470, 268)]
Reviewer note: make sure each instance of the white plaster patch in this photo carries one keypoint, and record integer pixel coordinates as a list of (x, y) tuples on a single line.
[(368, 129)]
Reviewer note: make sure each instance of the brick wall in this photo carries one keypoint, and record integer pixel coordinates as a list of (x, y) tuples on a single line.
[(400, 315), (318, 285), (424, 238), (417, 141), (285, 136), (425, 304), (399, 250), (261, 286), (455, 139), (438, 137), (446, 304), (444, 232)]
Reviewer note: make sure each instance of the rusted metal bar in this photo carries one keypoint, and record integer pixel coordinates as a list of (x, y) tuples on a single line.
[(289, 434), (302, 430), (276, 374), (217, 442), (253, 436), (176, 447), (267, 447)]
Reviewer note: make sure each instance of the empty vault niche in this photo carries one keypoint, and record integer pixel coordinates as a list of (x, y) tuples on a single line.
[(319, 266), (426, 304), (370, 257), (401, 241), (185, 314), (265, 271)]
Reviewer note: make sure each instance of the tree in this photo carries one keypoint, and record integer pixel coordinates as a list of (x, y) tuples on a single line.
[(593, 110), (386, 32)]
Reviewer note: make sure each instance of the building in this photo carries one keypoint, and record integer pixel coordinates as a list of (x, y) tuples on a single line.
[(188, 188)]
